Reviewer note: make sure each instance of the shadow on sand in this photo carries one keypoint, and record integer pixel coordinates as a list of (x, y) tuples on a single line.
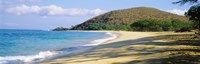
[(190, 55)]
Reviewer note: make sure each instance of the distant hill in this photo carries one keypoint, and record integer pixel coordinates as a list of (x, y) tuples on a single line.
[(60, 29), (121, 19)]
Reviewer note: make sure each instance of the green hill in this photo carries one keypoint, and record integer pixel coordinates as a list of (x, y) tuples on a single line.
[(122, 19)]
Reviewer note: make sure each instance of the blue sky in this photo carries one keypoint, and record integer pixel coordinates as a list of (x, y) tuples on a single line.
[(48, 14)]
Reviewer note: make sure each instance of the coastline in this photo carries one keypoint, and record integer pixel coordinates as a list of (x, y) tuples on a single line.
[(124, 37), (80, 49), (52, 54)]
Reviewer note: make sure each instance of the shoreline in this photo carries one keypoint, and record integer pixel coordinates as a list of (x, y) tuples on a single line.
[(80, 49), (53, 54), (84, 48), (122, 36), (112, 36)]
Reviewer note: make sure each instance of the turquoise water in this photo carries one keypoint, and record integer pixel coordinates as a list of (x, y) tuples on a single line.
[(32, 42)]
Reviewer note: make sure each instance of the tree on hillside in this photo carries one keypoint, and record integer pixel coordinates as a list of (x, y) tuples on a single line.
[(193, 13), (159, 25)]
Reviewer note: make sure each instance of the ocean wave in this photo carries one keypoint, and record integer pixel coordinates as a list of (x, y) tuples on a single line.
[(49, 55), (26, 59), (100, 41)]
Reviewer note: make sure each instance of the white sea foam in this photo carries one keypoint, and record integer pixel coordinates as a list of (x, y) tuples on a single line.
[(100, 41), (42, 56), (26, 59)]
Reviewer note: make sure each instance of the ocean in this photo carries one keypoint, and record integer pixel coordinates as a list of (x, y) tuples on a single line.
[(33, 46)]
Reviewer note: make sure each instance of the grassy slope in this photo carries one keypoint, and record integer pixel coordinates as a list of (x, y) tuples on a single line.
[(128, 16)]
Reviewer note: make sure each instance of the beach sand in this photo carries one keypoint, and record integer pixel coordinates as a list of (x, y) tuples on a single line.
[(128, 48)]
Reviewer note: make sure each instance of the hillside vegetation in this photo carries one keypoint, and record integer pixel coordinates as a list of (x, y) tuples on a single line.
[(160, 25), (122, 19)]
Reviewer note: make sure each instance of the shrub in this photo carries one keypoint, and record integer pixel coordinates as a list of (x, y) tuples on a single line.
[(184, 29), (104, 26), (159, 25)]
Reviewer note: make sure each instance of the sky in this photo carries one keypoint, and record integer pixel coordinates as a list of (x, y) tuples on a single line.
[(49, 14)]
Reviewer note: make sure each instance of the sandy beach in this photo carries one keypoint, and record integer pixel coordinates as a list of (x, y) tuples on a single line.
[(128, 48)]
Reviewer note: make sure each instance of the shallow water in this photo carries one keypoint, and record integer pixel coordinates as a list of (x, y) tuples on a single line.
[(18, 45)]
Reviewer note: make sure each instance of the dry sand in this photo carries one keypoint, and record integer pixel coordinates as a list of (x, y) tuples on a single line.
[(128, 48)]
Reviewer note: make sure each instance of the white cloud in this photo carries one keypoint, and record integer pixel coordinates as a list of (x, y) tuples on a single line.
[(20, 1), (177, 11), (10, 3), (34, 0), (52, 10)]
